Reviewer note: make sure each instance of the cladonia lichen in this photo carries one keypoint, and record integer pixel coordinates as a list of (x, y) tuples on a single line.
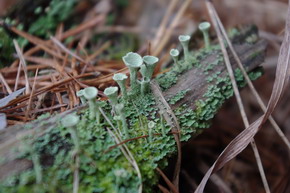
[(102, 166)]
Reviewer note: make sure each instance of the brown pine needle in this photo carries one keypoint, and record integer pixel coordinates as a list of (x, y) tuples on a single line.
[(22, 60), (170, 29), (66, 50), (162, 26), (30, 98), (5, 84), (17, 76)]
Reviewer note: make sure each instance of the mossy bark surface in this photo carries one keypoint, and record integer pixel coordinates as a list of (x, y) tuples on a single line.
[(195, 93)]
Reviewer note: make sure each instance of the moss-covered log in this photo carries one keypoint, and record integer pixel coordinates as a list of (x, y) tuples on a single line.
[(39, 156)]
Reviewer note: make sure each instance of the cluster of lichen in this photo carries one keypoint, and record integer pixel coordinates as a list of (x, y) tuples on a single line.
[(105, 169)]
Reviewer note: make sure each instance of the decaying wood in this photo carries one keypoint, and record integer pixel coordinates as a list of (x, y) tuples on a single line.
[(193, 80)]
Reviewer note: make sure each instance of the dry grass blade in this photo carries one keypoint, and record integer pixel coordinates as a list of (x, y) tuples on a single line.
[(237, 93), (245, 137), (172, 121), (125, 150), (249, 82)]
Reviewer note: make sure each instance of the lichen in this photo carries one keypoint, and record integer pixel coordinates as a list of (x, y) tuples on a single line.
[(103, 167), (180, 95)]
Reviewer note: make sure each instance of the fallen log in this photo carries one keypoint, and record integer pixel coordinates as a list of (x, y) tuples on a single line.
[(194, 94)]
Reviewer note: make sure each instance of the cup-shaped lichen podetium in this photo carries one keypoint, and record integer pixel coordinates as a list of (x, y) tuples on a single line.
[(204, 28), (112, 93), (133, 61), (90, 93), (145, 85), (174, 53), (70, 121), (151, 125), (184, 40), (121, 78), (150, 63), (121, 114), (80, 94)]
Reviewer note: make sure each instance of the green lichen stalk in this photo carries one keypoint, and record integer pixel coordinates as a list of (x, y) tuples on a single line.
[(145, 85), (133, 61), (184, 40), (90, 93), (174, 53), (149, 66), (204, 28), (121, 113), (112, 94), (80, 94), (70, 122), (151, 125), (121, 78)]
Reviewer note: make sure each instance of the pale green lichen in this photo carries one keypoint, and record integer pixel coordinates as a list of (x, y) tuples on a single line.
[(174, 53), (149, 65), (107, 170), (204, 28), (184, 40), (121, 78), (180, 95), (133, 61)]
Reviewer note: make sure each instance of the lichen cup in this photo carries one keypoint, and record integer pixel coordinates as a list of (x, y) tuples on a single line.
[(150, 63), (133, 61), (90, 93), (121, 78), (204, 28), (112, 93), (174, 53), (184, 40), (70, 121)]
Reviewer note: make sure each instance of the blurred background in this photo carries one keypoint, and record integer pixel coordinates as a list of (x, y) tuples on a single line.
[(153, 26)]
